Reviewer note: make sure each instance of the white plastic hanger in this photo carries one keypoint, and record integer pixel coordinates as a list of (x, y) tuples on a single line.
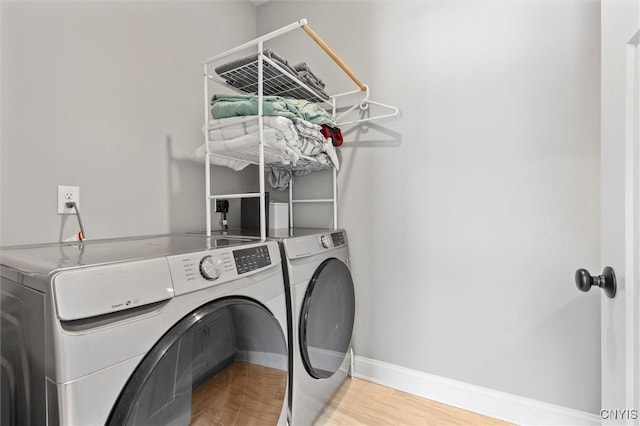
[(363, 106)]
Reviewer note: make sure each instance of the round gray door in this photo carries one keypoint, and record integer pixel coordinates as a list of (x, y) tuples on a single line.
[(326, 319), (226, 360)]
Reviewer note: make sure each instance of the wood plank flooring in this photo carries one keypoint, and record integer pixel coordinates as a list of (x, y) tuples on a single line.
[(241, 394), (249, 394), (359, 402)]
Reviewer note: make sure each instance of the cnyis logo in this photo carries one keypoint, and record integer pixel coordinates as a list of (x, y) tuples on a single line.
[(619, 414)]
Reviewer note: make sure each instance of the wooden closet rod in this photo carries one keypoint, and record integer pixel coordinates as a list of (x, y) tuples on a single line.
[(334, 56)]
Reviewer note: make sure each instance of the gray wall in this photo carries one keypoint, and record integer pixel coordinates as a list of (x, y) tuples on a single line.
[(469, 215), (107, 95)]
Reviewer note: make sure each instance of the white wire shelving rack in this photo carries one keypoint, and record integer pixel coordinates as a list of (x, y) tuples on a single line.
[(264, 77)]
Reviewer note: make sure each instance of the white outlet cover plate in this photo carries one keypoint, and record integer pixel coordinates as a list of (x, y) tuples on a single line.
[(65, 194)]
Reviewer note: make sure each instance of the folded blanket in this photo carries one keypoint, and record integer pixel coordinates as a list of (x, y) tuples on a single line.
[(243, 150), (223, 106), (295, 138), (279, 178), (302, 67), (310, 79), (309, 140)]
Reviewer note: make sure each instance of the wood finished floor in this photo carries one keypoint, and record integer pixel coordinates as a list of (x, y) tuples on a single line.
[(248, 394), (359, 402), (241, 394)]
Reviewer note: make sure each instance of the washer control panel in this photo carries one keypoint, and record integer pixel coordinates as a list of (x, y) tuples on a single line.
[(196, 271), (338, 238), (310, 245), (198, 266), (250, 259)]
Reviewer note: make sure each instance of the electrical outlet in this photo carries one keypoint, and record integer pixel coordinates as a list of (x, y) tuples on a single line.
[(68, 194), (222, 206)]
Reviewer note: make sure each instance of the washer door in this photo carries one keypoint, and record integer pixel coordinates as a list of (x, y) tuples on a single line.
[(326, 319), (225, 362)]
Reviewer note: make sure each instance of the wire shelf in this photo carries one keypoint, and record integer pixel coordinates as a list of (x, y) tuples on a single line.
[(276, 82)]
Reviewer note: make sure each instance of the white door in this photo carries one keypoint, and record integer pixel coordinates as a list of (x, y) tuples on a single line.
[(620, 209), (632, 236)]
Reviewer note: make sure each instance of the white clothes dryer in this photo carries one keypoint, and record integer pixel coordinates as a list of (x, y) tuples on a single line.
[(173, 329)]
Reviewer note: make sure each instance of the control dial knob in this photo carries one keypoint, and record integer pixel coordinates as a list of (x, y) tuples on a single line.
[(210, 268), (325, 240)]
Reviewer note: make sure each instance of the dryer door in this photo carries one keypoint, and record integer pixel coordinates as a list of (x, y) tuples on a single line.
[(224, 362), (326, 319)]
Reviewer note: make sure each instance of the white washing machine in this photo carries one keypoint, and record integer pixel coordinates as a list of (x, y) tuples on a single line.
[(322, 309), (144, 331)]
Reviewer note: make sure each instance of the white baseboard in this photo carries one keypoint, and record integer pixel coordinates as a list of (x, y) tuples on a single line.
[(500, 405)]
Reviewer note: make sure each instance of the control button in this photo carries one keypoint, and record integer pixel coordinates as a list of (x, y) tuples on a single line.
[(210, 268), (325, 241), (250, 259), (338, 238)]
